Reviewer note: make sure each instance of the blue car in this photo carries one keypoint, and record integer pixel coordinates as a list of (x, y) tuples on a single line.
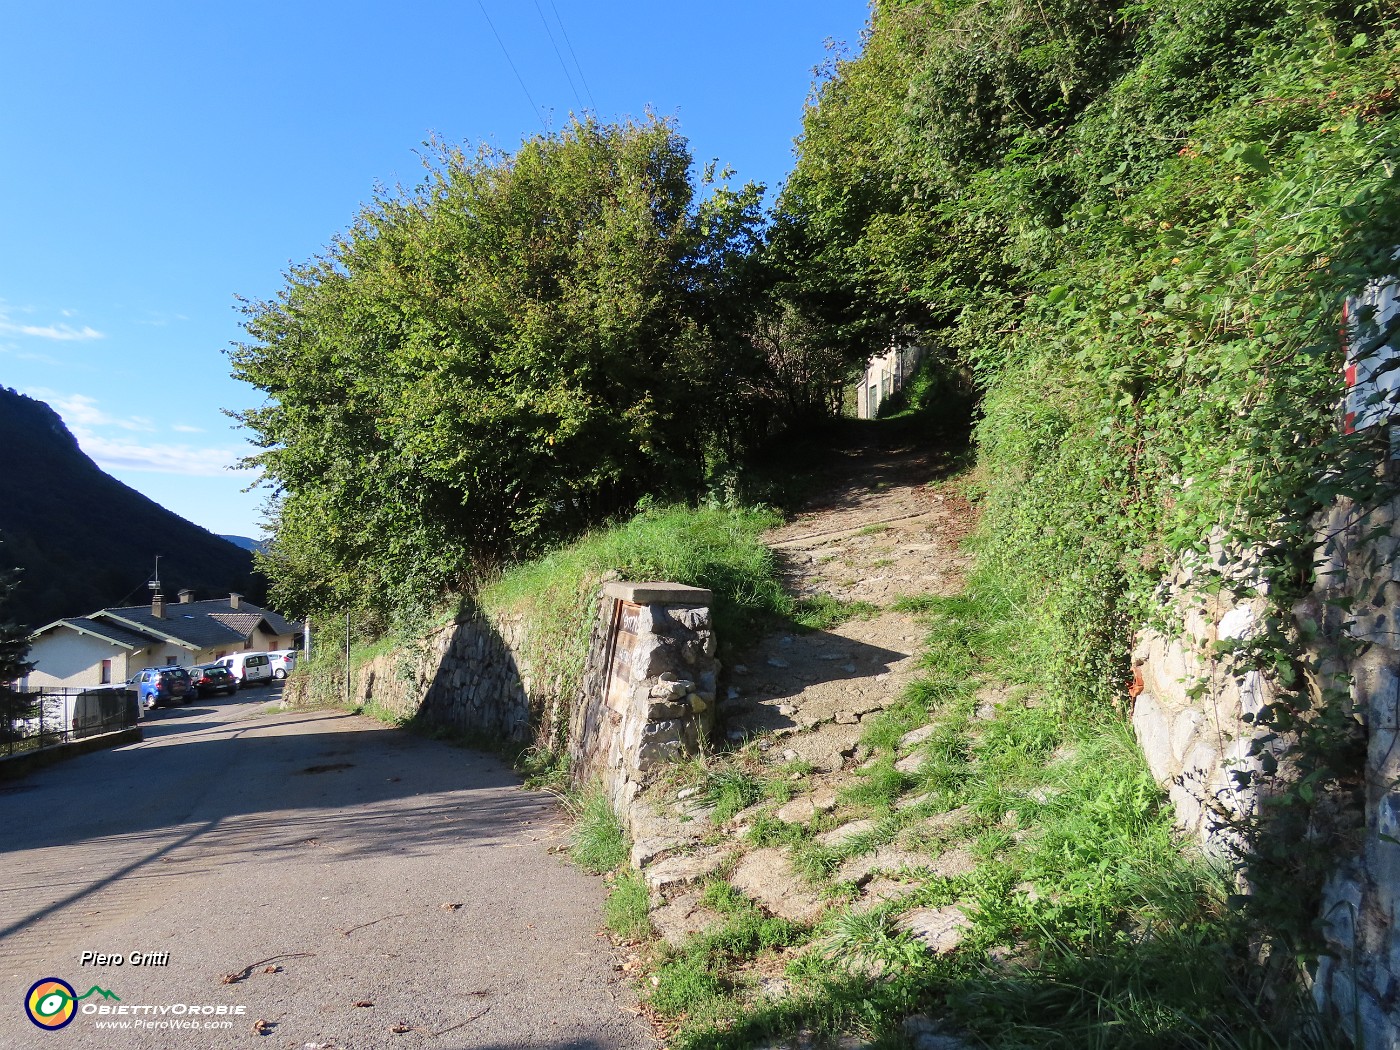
[(161, 686)]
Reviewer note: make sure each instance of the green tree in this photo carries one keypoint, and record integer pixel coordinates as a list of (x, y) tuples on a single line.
[(520, 346), (14, 665)]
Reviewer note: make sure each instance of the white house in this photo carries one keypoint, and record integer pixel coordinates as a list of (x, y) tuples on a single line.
[(111, 645), (886, 374)]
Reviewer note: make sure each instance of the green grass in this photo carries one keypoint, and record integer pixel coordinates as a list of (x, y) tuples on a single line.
[(625, 910), (821, 612), (598, 843), (730, 788), (705, 981)]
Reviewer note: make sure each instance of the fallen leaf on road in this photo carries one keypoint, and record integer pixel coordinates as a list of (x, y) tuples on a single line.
[(261, 1027), (450, 907), (400, 1028), (247, 971), (272, 969), (363, 1002)]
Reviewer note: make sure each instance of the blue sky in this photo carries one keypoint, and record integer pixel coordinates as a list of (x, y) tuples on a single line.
[(161, 158)]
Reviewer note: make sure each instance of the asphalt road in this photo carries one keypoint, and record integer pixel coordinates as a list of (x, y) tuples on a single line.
[(300, 866)]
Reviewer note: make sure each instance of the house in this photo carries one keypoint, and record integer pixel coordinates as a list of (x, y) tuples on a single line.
[(886, 374), (113, 644)]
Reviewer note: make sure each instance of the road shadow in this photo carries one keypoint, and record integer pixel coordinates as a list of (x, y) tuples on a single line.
[(259, 790)]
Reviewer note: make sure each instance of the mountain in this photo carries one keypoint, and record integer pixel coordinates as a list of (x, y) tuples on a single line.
[(85, 540), (247, 543)]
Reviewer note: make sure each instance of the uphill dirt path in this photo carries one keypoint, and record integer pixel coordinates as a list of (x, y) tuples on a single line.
[(889, 525)]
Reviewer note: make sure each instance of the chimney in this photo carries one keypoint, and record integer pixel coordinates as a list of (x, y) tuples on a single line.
[(234, 600), (186, 596), (158, 605)]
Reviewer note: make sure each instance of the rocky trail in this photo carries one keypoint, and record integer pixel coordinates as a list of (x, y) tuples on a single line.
[(888, 528)]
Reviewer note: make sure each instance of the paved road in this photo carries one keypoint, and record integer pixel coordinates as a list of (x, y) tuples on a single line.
[(324, 861)]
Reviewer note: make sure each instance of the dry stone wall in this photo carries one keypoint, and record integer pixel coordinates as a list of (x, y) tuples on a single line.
[(470, 677), (1191, 715), (1360, 980)]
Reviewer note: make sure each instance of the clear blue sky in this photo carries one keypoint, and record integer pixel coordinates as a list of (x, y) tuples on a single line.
[(158, 159)]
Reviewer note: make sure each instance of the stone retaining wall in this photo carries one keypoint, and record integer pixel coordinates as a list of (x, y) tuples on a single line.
[(1191, 712), (470, 677), (1361, 903), (648, 695)]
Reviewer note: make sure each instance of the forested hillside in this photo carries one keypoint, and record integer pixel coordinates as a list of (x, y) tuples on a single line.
[(1137, 225), (85, 540)]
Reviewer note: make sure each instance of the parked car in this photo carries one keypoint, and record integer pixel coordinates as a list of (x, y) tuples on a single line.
[(284, 662), (162, 686), (212, 679), (249, 668)]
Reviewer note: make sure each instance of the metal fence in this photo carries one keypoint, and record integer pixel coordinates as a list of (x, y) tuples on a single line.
[(45, 717)]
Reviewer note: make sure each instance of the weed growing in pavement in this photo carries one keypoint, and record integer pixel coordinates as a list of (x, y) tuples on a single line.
[(544, 769), (878, 786), (598, 842), (626, 908), (768, 830), (706, 980), (869, 939), (730, 788)]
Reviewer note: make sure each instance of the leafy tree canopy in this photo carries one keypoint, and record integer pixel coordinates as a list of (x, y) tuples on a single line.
[(521, 345)]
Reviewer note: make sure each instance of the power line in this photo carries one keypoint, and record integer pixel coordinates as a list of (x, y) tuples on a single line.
[(512, 64), (562, 64), (572, 54)]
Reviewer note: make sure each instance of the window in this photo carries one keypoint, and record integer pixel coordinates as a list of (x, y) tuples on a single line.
[(171, 660), (106, 672)]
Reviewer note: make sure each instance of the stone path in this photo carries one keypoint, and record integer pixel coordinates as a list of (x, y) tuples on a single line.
[(887, 529), (890, 526)]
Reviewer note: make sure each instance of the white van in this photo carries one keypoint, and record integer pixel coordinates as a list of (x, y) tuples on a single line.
[(284, 662), (249, 668)]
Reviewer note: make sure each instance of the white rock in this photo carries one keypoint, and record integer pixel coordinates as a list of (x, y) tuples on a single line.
[(916, 736), (840, 836), (940, 930)]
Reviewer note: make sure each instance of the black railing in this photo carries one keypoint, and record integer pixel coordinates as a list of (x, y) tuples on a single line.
[(57, 716)]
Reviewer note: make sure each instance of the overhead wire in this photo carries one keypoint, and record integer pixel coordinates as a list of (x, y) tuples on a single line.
[(511, 63), (570, 44), (557, 54)]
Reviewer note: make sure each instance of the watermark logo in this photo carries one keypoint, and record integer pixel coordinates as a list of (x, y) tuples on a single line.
[(52, 1003)]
